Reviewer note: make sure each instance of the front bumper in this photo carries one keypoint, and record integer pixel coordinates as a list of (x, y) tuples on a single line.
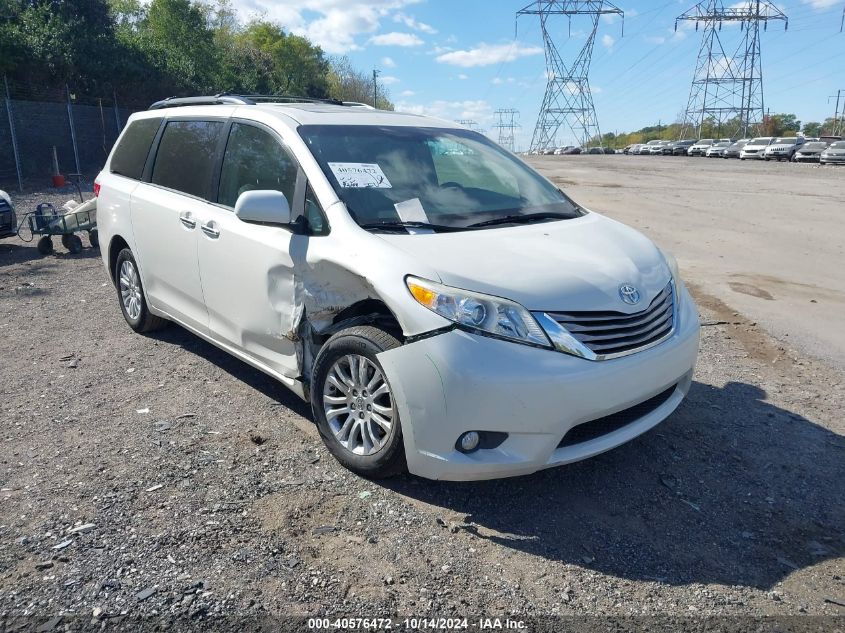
[(455, 382), (835, 158)]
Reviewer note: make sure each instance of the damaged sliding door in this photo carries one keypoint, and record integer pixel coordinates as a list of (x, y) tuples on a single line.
[(248, 271)]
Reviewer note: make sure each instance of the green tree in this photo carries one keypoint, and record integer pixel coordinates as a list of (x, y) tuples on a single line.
[(295, 65), (346, 83), (175, 37), (812, 128)]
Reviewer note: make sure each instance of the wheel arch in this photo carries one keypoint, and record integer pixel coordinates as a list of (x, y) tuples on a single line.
[(116, 245)]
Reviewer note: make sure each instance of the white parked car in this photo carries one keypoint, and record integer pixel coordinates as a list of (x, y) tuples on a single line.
[(755, 147), (833, 155), (716, 149), (449, 312), (783, 148), (700, 147)]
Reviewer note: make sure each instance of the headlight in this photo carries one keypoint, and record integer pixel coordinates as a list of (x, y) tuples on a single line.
[(672, 263), (491, 315)]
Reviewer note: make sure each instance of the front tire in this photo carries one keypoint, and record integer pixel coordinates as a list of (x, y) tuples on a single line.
[(130, 293), (353, 403)]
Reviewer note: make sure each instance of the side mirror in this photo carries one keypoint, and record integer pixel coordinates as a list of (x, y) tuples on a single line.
[(264, 206)]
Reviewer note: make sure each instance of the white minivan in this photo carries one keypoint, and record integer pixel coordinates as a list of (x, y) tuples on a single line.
[(445, 309)]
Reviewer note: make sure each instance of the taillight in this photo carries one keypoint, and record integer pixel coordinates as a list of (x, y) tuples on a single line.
[(96, 189)]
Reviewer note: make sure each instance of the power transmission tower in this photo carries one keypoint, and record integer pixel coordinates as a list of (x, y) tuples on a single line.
[(727, 88), (467, 123), (837, 117), (506, 126), (568, 99)]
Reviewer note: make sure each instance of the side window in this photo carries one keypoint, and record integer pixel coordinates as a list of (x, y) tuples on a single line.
[(186, 155), (317, 223), (131, 154), (255, 160)]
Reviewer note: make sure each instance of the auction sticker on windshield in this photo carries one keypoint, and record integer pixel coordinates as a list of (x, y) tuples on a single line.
[(360, 175)]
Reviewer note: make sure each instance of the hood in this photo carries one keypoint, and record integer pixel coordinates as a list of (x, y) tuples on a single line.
[(567, 265)]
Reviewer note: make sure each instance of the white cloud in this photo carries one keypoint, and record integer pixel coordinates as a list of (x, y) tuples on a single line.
[(607, 41), (396, 39), (407, 93), (821, 4), (488, 54), (498, 81), (463, 76), (390, 79), (387, 62), (334, 25), (411, 23), (479, 111)]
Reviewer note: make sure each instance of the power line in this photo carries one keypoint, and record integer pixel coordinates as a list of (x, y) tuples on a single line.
[(728, 88), (568, 99), (507, 124)]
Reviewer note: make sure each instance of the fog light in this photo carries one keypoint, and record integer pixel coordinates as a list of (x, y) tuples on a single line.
[(469, 441)]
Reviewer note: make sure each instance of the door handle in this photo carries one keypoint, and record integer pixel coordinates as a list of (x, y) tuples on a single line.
[(210, 229), (186, 219)]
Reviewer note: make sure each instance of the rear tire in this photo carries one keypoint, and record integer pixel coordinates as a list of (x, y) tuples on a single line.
[(45, 245), (130, 294), (360, 427), (74, 244), (94, 238)]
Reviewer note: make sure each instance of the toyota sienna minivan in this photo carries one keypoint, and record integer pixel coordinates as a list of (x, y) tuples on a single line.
[(444, 308)]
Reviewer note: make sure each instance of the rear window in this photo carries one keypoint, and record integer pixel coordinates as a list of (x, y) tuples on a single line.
[(131, 153), (186, 155)]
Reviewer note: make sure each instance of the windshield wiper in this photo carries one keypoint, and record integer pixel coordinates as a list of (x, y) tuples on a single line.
[(393, 226), (522, 219)]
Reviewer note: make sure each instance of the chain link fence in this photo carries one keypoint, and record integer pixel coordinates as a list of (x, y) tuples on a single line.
[(36, 119)]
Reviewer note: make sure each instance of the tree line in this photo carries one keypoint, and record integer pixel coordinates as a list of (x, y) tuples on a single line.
[(167, 48), (772, 125)]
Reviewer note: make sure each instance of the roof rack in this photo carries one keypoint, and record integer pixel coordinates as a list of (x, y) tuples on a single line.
[(225, 98)]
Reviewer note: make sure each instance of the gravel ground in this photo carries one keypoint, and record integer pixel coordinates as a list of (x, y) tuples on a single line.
[(157, 477)]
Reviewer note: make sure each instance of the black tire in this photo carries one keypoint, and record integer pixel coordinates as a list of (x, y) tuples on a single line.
[(65, 241), (365, 341), (45, 245), (145, 321), (94, 238), (74, 244)]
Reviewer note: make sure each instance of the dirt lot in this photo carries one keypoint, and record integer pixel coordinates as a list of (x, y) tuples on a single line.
[(158, 477)]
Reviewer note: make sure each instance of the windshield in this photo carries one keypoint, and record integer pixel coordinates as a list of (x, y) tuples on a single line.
[(761, 141), (451, 178), (814, 146), (787, 139), (838, 145)]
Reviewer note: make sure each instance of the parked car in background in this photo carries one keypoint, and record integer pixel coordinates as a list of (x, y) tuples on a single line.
[(699, 147), (635, 149), (646, 149), (8, 219), (754, 148), (783, 148), (572, 150), (610, 150), (833, 155), (733, 150), (657, 148), (680, 148), (420, 351), (562, 150), (716, 149), (810, 152)]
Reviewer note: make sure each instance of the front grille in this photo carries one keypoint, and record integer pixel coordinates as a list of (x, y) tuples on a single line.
[(606, 333), (608, 424)]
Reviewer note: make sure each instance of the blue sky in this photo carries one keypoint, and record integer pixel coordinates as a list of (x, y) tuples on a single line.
[(461, 59)]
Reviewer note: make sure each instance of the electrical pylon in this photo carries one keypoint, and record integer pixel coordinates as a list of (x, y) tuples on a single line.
[(568, 99), (727, 89), (506, 125)]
